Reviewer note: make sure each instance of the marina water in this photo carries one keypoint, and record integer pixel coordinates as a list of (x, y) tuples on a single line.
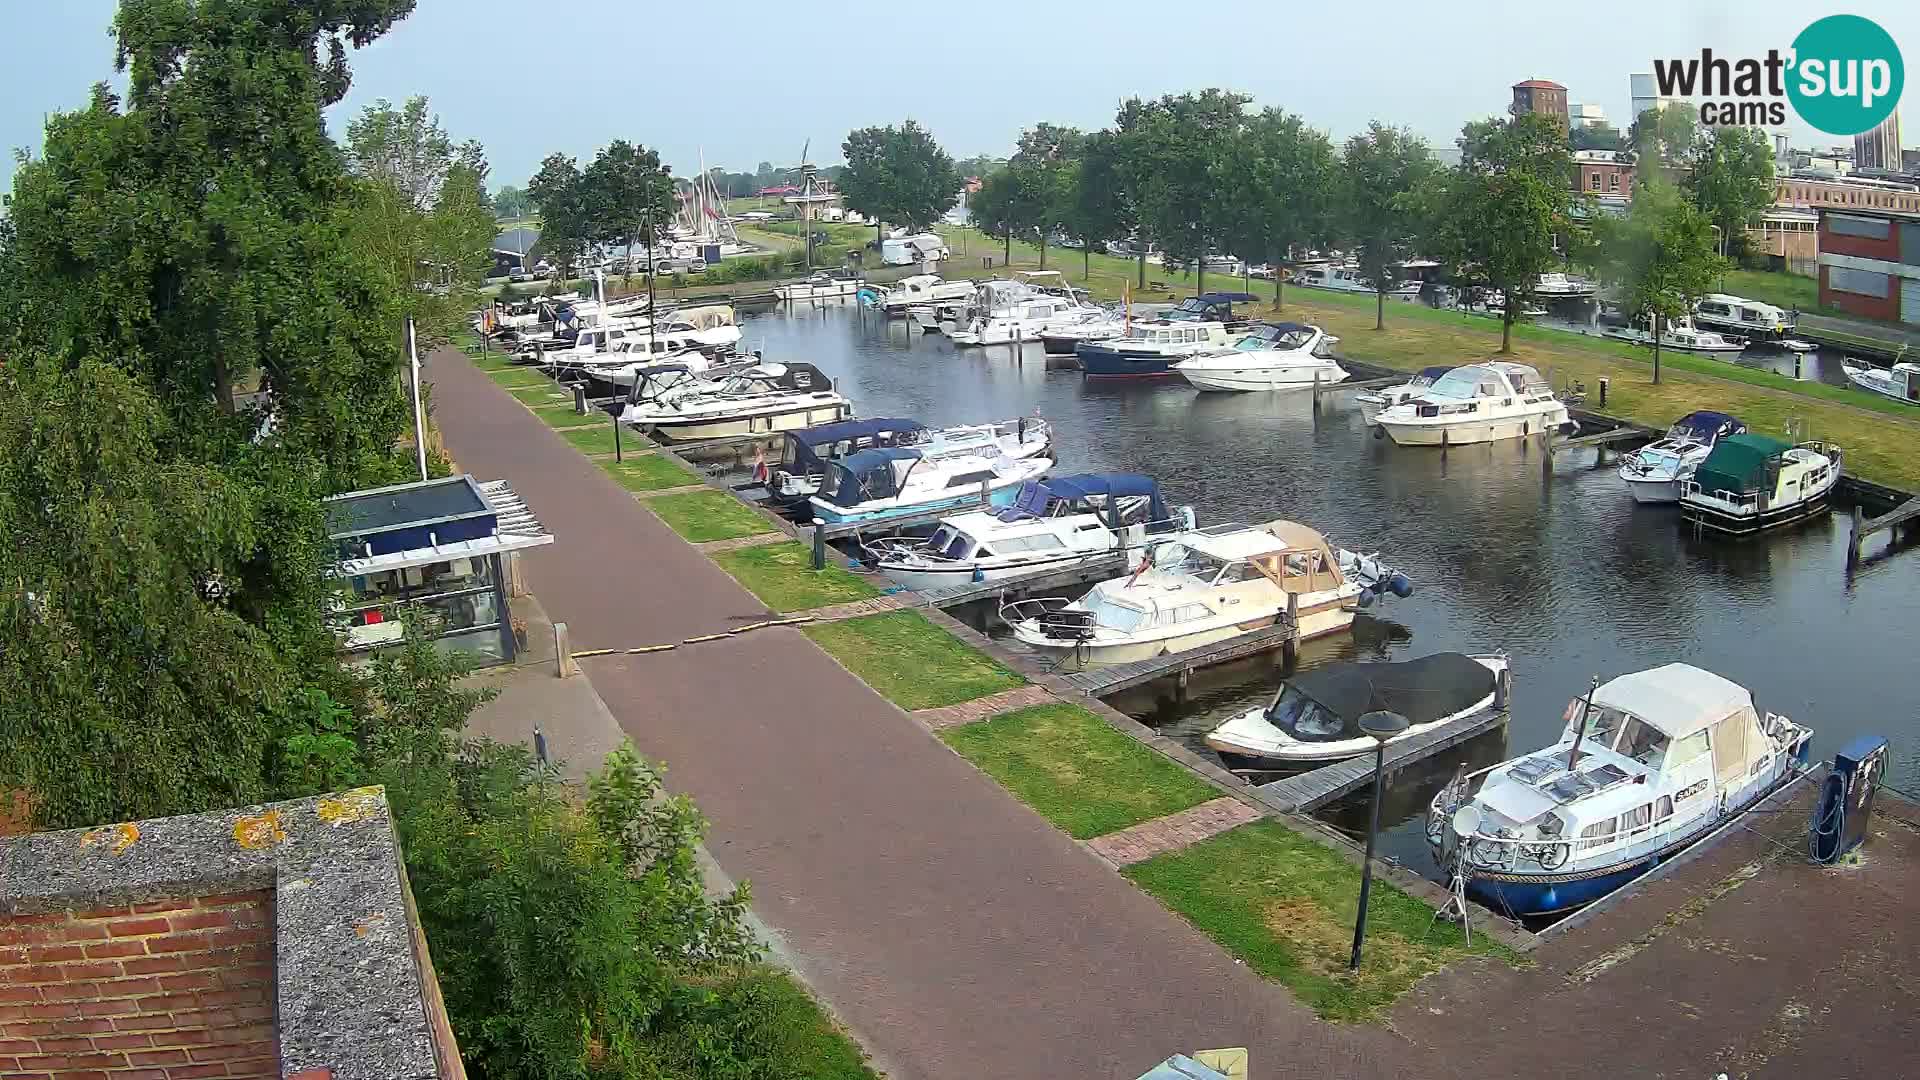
[(1569, 577)]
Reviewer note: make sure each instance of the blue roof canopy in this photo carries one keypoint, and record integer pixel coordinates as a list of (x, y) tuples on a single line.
[(1081, 487), (806, 440), (1706, 426), (865, 474)]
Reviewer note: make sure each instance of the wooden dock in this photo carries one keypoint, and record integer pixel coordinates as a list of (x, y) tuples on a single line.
[(1113, 678), (1891, 521), (1311, 790), (1100, 569)]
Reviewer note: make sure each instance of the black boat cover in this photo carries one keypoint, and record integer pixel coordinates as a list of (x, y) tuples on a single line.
[(1422, 690)]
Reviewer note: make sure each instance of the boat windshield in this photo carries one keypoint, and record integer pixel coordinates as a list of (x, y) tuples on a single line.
[(1626, 735), (1114, 615), (1304, 718), (1283, 340), (949, 544), (1465, 384)]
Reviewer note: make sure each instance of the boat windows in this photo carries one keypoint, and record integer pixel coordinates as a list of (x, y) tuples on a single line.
[(1687, 750), (949, 544), (1017, 545), (970, 479), (1663, 809), (1634, 819), (1304, 718), (1598, 834), (1460, 384), (1113, 615), (1185, 613)]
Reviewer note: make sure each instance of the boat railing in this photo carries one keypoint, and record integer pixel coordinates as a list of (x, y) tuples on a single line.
[(1743, 500)]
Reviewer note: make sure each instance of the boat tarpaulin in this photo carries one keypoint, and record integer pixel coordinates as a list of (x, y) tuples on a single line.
[(807, 441), (1704, 426), (1109, 486), (1737, 463), (1422, 690)]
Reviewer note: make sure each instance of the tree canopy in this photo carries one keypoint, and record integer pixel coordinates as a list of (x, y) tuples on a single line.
[(1660, 256), (1278, 177), (1039, 172), (1381, 171), (1730, 180), (898, 174)]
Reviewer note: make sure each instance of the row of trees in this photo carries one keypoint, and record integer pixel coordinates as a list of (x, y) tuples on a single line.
[(623, 196), (168, 262)]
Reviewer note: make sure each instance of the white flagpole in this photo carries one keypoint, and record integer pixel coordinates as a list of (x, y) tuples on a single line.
[(419, 414)]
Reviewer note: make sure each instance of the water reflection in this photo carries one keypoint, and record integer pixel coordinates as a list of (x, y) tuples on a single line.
[(1563, 572)]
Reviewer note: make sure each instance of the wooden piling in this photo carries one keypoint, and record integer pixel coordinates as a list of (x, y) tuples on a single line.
[(1853, 538), (819, 547), (1290, 649), (564, 663)]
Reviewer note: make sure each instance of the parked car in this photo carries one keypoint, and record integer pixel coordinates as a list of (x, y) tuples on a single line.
[(520, 276), (697, 266)]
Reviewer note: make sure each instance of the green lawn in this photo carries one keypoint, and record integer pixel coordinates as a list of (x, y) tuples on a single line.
[(548, 394), (1285, 905), (700, 516), (911, 662), (648, 472), (598, 439), (563, 416), (781, 575), (519, 376), (1779, 289), (758, 1021), (1077, 771)]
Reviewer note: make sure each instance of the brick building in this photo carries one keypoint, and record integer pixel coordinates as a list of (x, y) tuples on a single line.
[(1541, 96), (1814, 193), (263, 943), (1870, 263), (1603, 172)]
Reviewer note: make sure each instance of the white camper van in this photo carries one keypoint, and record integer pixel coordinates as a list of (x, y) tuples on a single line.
[(907, 250)]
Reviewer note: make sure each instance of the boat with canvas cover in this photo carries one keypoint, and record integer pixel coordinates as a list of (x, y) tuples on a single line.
[(1052, 524), (875, 485), (807, 453), (1653, 472), (1206, 586), (1648, 764), (1749, 483), (1313, 719)]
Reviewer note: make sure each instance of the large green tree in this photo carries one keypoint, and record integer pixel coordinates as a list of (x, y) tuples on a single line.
[(899, 175), (1493, 218), (1096, 206), (567, 208), (1730, 180), (629, 190), (1278, 184), (1041, 169), (1174, 149), (1381, 172), (1660, 256), (996, 207)]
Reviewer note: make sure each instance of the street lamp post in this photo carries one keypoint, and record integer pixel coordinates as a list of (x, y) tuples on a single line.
[(1382, 726)]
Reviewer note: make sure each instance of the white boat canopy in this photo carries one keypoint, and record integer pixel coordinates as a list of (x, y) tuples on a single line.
[(1677, 700)]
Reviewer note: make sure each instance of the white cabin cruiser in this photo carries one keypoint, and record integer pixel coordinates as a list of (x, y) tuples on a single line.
[(1721, 311), (1557, 286), (1475, 404), (1346, 279), (924, 290), (821, 286), (762, 398), (1314, 718), (1750, 482), (1052, 524), (874, 485), (1372, 402), (807, 454), (1648, 763), (1206, 586), (1282, 356), (1679, 335), (1901, 382), (1024, 309), (1104, 327), (1653, 473)]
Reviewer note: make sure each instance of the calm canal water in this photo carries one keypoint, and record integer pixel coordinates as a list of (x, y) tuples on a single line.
[(1566, 575)]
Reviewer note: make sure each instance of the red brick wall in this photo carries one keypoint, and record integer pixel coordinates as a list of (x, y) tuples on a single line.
[(1865, 247), (164, 991), (1867, 307)]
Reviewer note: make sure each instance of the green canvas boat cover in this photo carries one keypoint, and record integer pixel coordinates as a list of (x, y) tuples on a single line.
[(1738, 463)]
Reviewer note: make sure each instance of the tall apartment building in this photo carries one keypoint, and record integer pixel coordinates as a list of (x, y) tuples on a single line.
[(1646, 95), (1880, 147)]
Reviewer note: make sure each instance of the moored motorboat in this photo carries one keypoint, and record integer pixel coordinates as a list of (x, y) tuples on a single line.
[(876, 485), (1648, 764), (1901, 382), (1558, 286), (923, 290), (806, 455), (1721, 311), (1749, 483), (821, 285), (1313, 719), (1679, 335), (1653, 473), (1373, 402), (1051, 524), (1151, 349), (1475, 404), (1281, 356), (761, 398), (1062, 342), (1207, 586)]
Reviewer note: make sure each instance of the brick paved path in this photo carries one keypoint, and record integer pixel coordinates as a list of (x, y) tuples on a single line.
[(954, 931), (853, 609), (1173, 832), (1020, 697)]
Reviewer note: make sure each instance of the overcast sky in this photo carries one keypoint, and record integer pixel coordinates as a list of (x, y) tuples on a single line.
[(745, 82)]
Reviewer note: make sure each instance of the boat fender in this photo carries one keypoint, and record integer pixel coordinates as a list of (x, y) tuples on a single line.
[(1187, 519), (1379, 432), (979, 575), (1503, 688), (1400, 586), (1366, 597)]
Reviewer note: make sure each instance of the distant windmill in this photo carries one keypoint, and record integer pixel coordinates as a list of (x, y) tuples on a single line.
[(808, 189)]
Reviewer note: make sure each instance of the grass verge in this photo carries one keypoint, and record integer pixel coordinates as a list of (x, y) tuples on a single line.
[(563, 416), (910, 661), (648, 472), (1075, 770), (597, 439), (539, 395), (782, 576), (519, 377), (700, 516), (1286, 906)]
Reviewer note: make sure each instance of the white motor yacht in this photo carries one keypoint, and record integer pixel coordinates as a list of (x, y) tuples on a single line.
[(762, 398), (924, 290), (1282, 356), (1901, 382), (805, 458), (1373, 401), (1314, 718), (1024, 309), (1648, 764), (1750, 482), (1104, 327), (1475, 404), (1207, 586), (874, 485), (820, 286), (1557, 286), (1345, 279), (1653, 473), (1721, 311), (1679, 335), (1052, 524)]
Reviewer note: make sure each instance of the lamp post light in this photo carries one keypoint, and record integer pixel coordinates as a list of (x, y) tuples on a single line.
[(1382, 726)]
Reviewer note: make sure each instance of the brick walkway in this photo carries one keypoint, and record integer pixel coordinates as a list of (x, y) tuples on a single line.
[(967, 712), (756, 540), (1173, 832), (855, 608)]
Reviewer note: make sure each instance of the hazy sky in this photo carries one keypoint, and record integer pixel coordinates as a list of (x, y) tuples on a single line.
[(747, 82)]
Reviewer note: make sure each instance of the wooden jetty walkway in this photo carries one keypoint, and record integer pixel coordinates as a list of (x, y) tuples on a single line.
[(1113, 678), (1311, 790), (1891, 521)]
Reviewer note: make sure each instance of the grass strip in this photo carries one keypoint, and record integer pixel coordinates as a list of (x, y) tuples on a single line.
[(519, 376), (1076, 770), (910, 661), (563, 416), (781, 575), (648, 472), (1286, 904), (700, 516), (597, 439)]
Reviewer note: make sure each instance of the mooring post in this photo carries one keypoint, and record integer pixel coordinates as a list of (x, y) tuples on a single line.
[(819, 546), (1796, 365), (1604, 382), (1180, 685), (986, 497), (1316, 393), (1853, 537), (580, 399), (564, 663), (1290, 648), (1546, 453), (617, 454)]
